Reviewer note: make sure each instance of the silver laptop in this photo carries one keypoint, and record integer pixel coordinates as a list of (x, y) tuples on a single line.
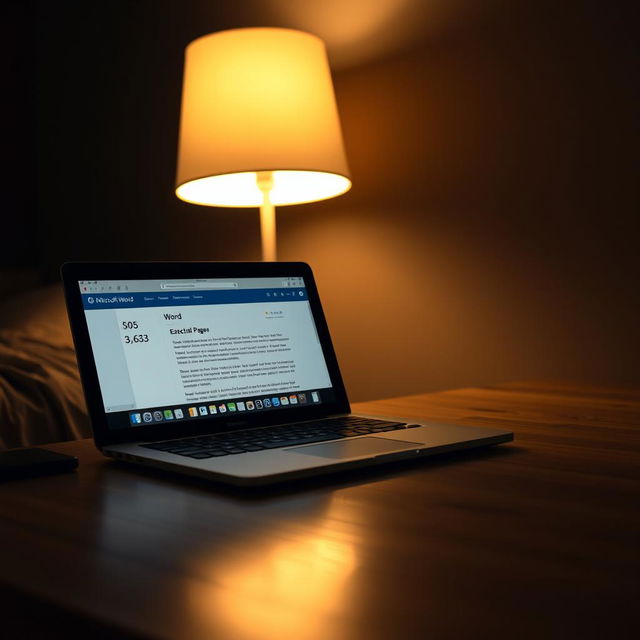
[(227, 371)]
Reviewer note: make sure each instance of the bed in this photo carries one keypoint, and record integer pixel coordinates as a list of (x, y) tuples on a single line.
[(41, 397)]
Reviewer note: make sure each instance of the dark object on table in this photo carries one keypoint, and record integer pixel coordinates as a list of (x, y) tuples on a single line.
[(25, 463)]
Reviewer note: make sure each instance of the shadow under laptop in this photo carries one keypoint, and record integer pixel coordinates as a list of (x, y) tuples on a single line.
[(321, 481)]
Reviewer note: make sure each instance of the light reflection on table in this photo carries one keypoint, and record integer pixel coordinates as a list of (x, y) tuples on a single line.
[(291, 588)]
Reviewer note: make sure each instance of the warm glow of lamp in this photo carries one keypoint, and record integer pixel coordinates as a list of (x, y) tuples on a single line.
[(259, 124)]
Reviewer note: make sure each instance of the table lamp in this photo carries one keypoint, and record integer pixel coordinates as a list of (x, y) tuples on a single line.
[(259, 125)]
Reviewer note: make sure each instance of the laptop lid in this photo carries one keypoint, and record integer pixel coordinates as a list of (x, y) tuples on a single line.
[(177, 349)]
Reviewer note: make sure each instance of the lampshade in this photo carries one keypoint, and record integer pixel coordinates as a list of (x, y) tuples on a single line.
[(255, 100)]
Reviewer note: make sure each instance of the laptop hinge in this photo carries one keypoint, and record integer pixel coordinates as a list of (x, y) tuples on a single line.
[(247, 428)]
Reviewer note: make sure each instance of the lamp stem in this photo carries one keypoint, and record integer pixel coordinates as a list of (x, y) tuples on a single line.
[(267, 217)]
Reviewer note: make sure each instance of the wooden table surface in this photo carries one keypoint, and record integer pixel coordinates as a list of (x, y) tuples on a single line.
[(534, 539)]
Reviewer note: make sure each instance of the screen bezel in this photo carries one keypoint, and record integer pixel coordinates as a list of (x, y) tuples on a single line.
[(73, 272)]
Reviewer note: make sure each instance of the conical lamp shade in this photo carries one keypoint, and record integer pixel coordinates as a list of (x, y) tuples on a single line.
[(257, 100)]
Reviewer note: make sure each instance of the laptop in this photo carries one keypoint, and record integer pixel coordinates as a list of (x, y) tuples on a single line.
[(226, 370)]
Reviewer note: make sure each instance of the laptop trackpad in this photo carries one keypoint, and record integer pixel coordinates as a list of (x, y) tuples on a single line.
[(355, 448)]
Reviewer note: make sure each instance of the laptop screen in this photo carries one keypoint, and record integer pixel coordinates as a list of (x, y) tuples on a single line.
[(174, 350)]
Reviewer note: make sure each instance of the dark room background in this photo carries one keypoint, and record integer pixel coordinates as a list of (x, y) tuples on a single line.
[(491, 233)]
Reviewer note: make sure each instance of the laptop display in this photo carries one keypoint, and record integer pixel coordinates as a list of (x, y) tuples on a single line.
[(179, 350)]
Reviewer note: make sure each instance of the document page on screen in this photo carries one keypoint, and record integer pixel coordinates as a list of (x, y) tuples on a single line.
[(164, 343)]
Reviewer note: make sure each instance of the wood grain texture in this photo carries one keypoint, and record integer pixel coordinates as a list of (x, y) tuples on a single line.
[(534, 539)]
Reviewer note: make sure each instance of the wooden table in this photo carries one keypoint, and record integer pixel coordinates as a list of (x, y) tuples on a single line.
[(534, 539)]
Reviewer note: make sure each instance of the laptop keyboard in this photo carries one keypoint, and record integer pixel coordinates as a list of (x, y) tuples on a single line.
[(227, 444)]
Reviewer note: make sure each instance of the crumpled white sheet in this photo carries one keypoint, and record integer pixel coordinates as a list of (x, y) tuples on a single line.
[(41, 398)]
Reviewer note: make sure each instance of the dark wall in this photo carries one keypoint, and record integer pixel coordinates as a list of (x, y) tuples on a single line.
[(109, 82), (491, 232), (17, 228)]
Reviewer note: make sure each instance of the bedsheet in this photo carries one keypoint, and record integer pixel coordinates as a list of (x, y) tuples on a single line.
[(41, 397)]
